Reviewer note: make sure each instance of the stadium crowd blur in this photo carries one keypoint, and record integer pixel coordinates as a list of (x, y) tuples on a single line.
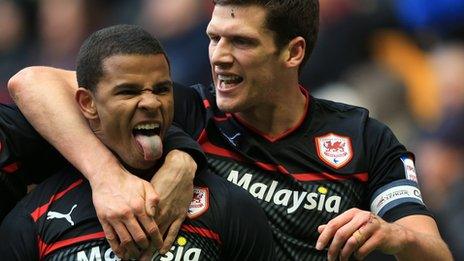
[(401, 59)]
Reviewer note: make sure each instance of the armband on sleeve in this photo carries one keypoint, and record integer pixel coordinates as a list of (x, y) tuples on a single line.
[(394, 194)]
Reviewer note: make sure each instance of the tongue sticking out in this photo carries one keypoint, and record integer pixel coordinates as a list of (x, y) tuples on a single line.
[(151, 146)]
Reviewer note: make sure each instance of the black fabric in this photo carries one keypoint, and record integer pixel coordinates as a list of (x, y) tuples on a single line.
[(233, 226), (297, 189)]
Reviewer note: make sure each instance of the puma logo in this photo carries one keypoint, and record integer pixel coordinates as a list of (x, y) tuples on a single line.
[(232, 139), (53, 214)]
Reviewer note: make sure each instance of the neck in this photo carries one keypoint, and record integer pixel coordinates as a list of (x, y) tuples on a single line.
[(279, 115)]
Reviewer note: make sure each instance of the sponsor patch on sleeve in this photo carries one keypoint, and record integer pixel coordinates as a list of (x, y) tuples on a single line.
[(409, 168), (394, 194), (199, 203)]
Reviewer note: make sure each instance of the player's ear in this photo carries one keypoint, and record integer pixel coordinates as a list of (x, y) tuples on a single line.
[(86, 103), (295, 52)]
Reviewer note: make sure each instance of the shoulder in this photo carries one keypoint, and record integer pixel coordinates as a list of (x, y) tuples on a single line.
[(336, 113), (56, 186), (337, 107)]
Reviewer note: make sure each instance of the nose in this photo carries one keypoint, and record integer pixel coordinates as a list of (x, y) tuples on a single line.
[(221, 53), (149, 101)]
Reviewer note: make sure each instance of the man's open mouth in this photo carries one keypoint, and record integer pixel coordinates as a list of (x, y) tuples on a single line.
[(230, 79), (147, 136), (147, 129)]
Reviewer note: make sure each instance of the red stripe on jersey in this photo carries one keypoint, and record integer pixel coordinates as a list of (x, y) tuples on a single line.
[(223, 118), (362, 176), (208, 147), (10, 168), (206, 104), (272, 167), (45, 249), (36, 214), (203, 137), (202, 232)]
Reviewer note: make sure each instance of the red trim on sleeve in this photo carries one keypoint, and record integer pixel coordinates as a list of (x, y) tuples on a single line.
[(36, 214), (202, 232), (45, 249), (206, 104), (10, 168)]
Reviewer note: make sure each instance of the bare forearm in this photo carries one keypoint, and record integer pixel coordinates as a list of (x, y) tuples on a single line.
[(46, 98), (422, 245)]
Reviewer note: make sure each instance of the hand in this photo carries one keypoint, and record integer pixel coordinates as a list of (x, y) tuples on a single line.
[(359, 232), (121, 202), (174, 184)]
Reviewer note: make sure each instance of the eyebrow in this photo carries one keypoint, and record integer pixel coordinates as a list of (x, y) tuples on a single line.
[(163, 83), (127, 86)]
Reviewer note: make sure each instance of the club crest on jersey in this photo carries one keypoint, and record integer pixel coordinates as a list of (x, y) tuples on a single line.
[(334, 150), (199, 203)]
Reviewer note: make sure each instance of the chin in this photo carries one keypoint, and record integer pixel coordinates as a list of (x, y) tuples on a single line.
[(225, 105)]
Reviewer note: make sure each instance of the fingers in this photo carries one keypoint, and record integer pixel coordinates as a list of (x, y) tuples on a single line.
[(127, 230), (112, 239), (372, 241), (346, 231), (171, 235), (151, 200), (321, 228), (353, 243), (126, 242), (146, 255), (156, 238), (328, 232), (362, 237)]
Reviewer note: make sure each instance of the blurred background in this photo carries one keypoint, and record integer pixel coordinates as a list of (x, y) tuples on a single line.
[(401, 59)]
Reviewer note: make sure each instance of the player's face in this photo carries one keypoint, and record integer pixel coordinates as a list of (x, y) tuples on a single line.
[(244, 58), (134, 101)]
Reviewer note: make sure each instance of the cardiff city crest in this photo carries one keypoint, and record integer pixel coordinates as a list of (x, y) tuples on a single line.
[(334, 150), (199, 203)]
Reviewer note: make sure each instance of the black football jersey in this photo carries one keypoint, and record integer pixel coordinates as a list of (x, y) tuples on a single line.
[(57, 221), (335, 159)]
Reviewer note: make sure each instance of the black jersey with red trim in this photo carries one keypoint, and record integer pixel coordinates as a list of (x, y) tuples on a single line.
[(26, 158), (335, 159), (57, 221)]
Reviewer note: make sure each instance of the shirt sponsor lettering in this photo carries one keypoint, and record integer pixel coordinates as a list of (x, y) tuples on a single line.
[(96, 254), (288, 198), (180, 252)]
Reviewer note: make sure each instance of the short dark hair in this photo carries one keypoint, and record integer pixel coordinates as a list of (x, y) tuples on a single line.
[(288, 19), (109, 41)]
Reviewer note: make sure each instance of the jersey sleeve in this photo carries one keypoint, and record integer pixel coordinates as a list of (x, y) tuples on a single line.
[(393, 187), (189, 113), (246, 233), (18, 236), (22, 149), (176, 138)]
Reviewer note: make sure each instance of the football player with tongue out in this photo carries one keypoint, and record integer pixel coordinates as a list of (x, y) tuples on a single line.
[(126, 95)]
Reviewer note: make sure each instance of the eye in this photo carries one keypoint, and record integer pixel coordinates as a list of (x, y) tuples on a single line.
[(242, 42), (214, 38), (162, 89), (126, 92)]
